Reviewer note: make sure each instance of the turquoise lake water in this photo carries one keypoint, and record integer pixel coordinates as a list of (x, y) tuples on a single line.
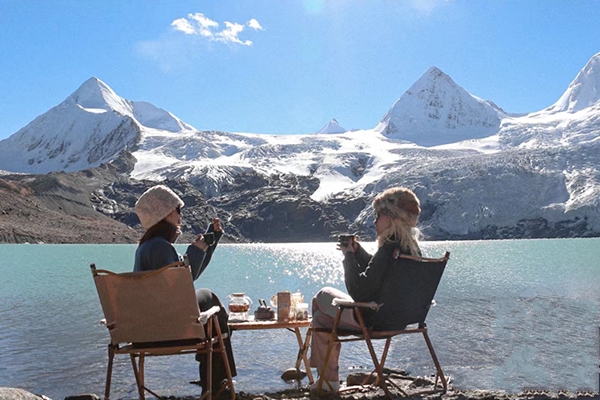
[(510, 315)]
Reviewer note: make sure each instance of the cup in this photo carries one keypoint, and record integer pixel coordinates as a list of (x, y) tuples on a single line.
[(209, 238), (345, 240)]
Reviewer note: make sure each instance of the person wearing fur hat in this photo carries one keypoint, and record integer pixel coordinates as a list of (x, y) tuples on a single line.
[(396, 212), (159, 211)]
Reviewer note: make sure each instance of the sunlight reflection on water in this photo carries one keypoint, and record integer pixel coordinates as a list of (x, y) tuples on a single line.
[(510, 314)]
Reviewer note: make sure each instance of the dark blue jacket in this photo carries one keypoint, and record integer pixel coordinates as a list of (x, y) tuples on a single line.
[(158, 252)]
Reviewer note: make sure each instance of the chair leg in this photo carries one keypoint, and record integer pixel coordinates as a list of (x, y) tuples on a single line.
[(139, 374), (380, 379), (438, 367), (111, 356), (225, 359), (209, 354), (386, 349), (332, 339)]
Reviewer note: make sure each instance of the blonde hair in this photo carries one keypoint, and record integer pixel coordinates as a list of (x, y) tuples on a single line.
[(406, 236), (403, 208)]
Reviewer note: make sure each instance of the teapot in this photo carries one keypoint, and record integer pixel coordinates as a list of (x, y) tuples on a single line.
[(239, 305), (264, 312)]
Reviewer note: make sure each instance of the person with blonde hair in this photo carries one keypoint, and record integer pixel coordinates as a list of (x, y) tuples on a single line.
[(397, 212)]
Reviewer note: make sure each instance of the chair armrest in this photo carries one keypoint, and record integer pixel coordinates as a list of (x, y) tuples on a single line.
[(354, 304), (205, 315)]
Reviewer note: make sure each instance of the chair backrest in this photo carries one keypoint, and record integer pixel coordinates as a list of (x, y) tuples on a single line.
[(150, 306), (412, 283)]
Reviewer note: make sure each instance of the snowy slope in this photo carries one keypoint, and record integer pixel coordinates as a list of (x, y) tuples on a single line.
[(583, 92), (483, 169), (435, 110), (331, 127), (90, 127), (574, 118)]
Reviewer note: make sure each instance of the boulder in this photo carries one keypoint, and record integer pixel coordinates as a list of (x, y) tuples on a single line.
[(7, 393)]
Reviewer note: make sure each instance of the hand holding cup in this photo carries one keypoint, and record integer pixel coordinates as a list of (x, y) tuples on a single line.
[(346, 243)]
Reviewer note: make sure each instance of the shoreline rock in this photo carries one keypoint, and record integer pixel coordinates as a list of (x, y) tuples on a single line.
[(403, 383)]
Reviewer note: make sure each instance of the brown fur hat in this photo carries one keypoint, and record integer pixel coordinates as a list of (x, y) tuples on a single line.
[(398, 202), (155, 204)]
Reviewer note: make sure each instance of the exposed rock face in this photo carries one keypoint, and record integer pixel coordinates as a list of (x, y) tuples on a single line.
[(7, 393), (97, 205), (496, 174), (280, 211), (278, 214), (56, 208)]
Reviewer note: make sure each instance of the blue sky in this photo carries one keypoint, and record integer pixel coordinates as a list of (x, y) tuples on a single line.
[(286, 66)]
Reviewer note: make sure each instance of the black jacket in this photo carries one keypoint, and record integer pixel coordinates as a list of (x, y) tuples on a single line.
[(375, 278)]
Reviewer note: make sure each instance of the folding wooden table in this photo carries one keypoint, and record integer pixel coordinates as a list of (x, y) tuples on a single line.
[(292, 326)]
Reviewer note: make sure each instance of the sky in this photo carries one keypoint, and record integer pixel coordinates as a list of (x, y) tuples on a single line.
[(288, 67)]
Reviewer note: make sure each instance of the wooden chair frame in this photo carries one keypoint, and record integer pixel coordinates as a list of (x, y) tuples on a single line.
[(368, 334), (208, 340)]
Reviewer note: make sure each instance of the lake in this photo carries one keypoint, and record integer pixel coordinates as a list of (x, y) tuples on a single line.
[(510, 314)]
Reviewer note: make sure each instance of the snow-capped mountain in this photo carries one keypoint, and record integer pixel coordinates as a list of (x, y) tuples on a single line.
[(583, 92), (92, 126), (574, 118), (331, 127), (488, 174), (435, 110)]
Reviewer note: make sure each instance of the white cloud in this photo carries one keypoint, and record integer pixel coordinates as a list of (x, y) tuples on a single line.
[(230, 34), (204, 25), (254, 25), (183, 25), (199, 24)]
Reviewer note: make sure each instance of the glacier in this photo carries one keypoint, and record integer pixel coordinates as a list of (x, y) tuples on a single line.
[(479, 171)]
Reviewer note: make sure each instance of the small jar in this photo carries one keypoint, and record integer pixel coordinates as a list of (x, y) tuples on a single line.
[(302, 311)]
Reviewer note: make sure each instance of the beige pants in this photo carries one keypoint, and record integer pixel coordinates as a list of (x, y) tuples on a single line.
[(323, 313)]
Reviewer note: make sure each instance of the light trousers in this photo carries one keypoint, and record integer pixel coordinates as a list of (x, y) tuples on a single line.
[(323, 313)]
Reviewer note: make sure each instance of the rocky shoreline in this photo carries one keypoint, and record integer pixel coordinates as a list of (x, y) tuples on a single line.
[(407, 387)]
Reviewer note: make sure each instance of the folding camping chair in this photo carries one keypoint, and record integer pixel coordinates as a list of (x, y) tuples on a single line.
[(155, 313), (414, 283)]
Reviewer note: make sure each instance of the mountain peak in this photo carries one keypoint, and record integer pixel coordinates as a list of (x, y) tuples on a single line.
[(434, 78), (94, 94), (91, 126), (433, 70), (583, 92), (435, 110), (331, 127)]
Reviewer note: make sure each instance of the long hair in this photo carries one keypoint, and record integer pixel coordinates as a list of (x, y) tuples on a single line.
[(403, 234), (402, 206), (163, 229)]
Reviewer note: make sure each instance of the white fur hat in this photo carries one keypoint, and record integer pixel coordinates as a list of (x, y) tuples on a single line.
[(155, 204), (399, 202)]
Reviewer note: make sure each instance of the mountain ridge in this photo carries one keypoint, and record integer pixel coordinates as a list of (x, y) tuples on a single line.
[(534, 175), (583, 91)]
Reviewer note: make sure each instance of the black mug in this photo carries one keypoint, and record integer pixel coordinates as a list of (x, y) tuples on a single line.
[(209, 238), (345, 240)]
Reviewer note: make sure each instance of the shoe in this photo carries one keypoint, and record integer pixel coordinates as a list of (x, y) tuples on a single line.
[(222, 393), (327, 386)]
